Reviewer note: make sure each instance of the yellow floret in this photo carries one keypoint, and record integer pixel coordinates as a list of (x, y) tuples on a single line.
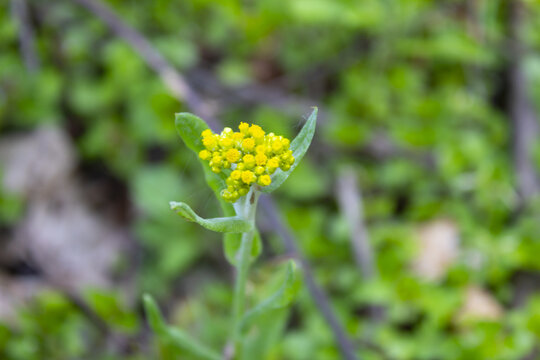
[(285, 167), (273, 163), (231, 182), (260, 149), (259, 170), (225, 142), (232, 155), (243, 127), (226, 131), (285, 156), (237, 136), (206, 133), (209, 142), (264, 180), (277, 145), (256, 131), (291, 160), (248, 144), (205, 154), (236, 174), (248, 177), (230, 196), (249, 161), (216, 161), (260, 159)]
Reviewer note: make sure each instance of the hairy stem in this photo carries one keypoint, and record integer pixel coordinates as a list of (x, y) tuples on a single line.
[(242, 268), (240, 286)]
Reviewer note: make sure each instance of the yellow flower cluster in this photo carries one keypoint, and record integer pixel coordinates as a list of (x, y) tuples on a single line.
[(247, 157)]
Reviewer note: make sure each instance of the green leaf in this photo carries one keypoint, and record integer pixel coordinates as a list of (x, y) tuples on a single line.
[(11, 207), (299, 147), (282, 298), (172, 336), (155, 318), (189, 128), (232, 224), (232, 244), (261, 342), (110, 308)]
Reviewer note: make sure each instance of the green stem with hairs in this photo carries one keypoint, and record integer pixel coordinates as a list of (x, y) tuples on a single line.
[(247, 210)]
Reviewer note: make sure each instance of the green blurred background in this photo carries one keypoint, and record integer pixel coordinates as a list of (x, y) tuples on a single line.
[(428, 126)]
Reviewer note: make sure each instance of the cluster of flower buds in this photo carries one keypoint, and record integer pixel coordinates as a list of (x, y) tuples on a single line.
[(247, 157)]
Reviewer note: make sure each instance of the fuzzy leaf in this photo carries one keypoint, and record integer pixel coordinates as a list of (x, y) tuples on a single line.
[(179, 339), (232, 244), (190, 127), (282, 298), (262, 340), (299, 147), (155, 318), (233, 224)]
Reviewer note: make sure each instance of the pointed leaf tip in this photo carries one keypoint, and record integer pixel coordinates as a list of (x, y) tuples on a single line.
[(282, 298), (168, 335), (155, 318), (233, 224), (299, 147), (147, 298), (190, 127)]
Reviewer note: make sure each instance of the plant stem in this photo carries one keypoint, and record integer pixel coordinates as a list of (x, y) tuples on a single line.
[(240, 286), (242, 267)]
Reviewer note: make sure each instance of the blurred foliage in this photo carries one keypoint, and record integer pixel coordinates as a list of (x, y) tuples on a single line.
[(424, 79)]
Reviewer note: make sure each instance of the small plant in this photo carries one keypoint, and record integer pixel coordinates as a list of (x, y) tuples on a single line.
[(238, 166)]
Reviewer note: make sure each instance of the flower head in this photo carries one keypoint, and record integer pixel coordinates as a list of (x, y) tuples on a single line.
[(249, 157)]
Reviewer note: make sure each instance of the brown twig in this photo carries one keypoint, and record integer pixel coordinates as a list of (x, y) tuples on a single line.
[(350, 204), (173, 79), (251, 95), (19, 10), (319, 296), (522, 115), (351, 207)]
